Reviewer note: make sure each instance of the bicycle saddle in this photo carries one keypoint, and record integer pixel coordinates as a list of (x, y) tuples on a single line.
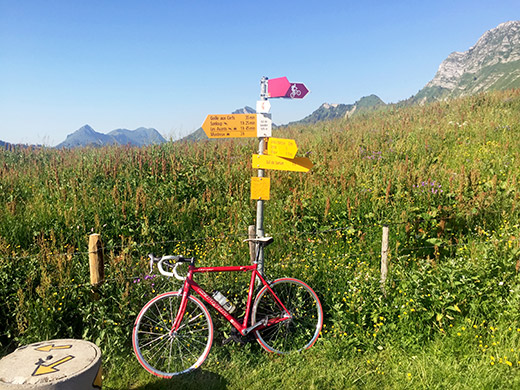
[(261, 240)]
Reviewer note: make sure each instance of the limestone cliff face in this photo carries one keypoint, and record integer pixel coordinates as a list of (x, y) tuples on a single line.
[(492, 63), (450, 72)]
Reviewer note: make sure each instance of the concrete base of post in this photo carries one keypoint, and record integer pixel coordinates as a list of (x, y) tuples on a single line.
[(52, 365)]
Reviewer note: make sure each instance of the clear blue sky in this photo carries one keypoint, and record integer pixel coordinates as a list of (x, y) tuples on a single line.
[(167, 64)]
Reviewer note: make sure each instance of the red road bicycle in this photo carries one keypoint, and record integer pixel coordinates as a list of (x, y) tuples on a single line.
[(173, 333)]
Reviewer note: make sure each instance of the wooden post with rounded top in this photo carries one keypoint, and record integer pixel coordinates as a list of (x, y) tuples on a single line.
[(95, 257), (251, 232)]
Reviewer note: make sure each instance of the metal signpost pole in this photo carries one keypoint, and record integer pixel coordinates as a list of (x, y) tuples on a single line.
[(260, 202), (277, 154)]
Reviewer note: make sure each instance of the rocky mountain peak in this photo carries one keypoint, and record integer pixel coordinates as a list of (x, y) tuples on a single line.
[(499, 45), (245, 110), (331, 105), (492, 63), (86, 130)]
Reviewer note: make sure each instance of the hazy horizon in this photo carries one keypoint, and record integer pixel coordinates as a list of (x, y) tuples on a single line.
[(167, 65)]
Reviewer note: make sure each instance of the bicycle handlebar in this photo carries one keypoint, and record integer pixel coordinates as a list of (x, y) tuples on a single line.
[(160, 260)]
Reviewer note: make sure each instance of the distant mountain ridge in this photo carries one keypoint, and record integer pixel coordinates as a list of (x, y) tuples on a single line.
[(325, 112), (8, 145), (493, 63), (87, 136), (334, 111), (199, 134)]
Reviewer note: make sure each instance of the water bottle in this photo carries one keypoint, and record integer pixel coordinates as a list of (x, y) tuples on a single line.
[(224, 302)]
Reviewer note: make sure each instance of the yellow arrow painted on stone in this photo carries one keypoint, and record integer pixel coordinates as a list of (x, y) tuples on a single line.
[(44, 369), (51, 347)]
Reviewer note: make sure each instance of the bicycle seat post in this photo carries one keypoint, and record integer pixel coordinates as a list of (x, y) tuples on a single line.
[(260, 244), (258, 248)]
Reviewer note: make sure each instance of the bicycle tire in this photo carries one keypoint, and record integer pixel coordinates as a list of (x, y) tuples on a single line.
[(166, 355), (298, 333)]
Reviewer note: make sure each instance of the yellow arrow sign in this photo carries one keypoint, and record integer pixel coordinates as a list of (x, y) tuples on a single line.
[(44, 369), (298, 164), (50, 347), (282, 147), (230, 126)]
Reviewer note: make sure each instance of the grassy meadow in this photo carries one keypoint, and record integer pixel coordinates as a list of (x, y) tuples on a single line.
[(443, 177)]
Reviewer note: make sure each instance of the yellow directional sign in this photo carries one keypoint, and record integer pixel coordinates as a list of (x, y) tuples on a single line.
[(43, 369), (51, 347), (298, 164), (230, 126), (282, 147), (260, 188)]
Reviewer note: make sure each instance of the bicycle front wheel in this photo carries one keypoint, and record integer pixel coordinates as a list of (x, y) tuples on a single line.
[(306, 316), (165, 353)]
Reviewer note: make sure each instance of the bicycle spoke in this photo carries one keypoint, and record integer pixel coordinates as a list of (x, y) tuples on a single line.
[(154, 322), (160, 313), (170, 358), (188, 324), (151, 333), (154, 341), (158, 350)]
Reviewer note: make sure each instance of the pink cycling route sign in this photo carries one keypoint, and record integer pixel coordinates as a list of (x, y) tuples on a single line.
[(278, 87), (282, 88)]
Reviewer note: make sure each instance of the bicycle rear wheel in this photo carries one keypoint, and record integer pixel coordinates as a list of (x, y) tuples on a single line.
[(164, 354), (300, 331)]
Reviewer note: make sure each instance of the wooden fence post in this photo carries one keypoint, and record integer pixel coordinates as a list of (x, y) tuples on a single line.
[(384, 259), (95, 258), (251, 232)]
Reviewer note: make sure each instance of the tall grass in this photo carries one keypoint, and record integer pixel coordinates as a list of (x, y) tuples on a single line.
[(442, 176)]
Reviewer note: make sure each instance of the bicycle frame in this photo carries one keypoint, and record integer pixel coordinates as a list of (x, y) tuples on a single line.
[(244, 330)]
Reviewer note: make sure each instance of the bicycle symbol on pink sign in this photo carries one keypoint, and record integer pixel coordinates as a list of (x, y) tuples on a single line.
[(295, 91)]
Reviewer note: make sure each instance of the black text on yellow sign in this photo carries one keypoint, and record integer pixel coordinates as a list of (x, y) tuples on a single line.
[(282, 147), (238, 125), (260, 188), (230, 126), (298, 164)]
